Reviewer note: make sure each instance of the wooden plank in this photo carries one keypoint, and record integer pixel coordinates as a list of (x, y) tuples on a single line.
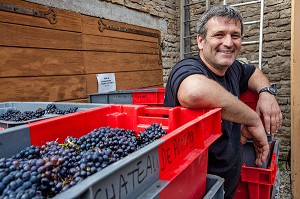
[(103, 62), (50, 88), (39, 62), (90, 25), (66, 20), (129, 80), (26, 36), (109, 44), (139, 79), (84, 100), (295, 99)]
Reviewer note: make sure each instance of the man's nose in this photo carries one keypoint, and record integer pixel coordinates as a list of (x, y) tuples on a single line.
[(227, 41)]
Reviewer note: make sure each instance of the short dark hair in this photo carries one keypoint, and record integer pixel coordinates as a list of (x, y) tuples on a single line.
[(222, 11)]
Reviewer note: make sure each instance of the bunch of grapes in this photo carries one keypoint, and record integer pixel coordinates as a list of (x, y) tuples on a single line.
[(150, 134), (51, 109), (42, 172), (18, 116)]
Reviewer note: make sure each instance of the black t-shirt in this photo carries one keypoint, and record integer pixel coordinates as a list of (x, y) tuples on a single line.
[(224, 157)]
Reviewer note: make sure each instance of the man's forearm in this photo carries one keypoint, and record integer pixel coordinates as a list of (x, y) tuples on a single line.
[(197, 91)]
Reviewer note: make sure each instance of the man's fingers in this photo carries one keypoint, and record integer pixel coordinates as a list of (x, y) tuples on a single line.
[(273, 120), (267, 121), (262, 152), (243, 140), (245, 135)]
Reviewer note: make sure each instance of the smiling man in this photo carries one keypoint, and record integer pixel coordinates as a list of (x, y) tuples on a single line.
[(214, 78)]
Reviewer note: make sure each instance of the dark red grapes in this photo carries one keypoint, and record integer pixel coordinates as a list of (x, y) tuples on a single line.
[(18, 116), (42, 172)]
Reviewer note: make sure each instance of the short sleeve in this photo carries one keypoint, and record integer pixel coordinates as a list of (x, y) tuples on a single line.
[(247, 71), (180, 71)]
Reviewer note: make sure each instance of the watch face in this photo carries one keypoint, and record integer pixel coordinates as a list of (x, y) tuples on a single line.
[(272, 90)]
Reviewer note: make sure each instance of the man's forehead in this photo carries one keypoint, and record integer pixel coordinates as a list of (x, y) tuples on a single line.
[(226, 20)]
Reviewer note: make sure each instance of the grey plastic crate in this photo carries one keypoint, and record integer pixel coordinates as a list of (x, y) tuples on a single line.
[(149, 96), (249, 156), (13, 140), (116, 97), (33, 106), (214, 187)]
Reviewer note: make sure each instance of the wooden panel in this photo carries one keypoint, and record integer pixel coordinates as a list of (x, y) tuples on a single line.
[(53, 88), (129, 80), (25, 36), (139, 79), (90, 25), (103, 62), (101, 43), (56, 62), (295, 99), (39, 62), (66, 20)]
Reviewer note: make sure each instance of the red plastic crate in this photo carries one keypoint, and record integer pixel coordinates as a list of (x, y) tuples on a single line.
[(189, 180), (257, 183), (135, 117), (184, 158), (151, 96), (181, 154), (250, 98)]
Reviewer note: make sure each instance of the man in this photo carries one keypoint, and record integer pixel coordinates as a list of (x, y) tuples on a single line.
[(214, 78)]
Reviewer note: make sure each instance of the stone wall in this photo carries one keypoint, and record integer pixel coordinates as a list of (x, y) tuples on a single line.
[(276, 57)]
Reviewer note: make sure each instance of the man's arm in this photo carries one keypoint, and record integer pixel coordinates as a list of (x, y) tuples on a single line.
[(198, 91), (267, 104)]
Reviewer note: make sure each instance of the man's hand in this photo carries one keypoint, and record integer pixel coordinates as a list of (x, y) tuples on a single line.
[(271, 113), (260, 141)]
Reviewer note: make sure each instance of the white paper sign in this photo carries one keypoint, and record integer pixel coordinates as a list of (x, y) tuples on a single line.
[(106, 82)]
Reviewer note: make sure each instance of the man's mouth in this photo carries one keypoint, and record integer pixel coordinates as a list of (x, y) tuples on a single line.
[(226, 51)]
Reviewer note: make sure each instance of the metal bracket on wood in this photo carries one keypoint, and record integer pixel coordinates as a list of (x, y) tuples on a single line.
[(103, 26), (50, 14)]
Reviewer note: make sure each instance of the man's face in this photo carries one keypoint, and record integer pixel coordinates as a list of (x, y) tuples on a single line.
[(222, 44)]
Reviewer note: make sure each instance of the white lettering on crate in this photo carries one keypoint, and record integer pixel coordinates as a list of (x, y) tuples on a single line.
[(127, 182)]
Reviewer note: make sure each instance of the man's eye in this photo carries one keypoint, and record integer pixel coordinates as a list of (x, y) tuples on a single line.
[(219, 36), (236, 36)]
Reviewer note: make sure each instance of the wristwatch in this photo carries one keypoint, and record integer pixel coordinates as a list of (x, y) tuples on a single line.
[(272, 89)]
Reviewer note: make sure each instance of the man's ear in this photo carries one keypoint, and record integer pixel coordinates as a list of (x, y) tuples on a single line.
[(200, 41)]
